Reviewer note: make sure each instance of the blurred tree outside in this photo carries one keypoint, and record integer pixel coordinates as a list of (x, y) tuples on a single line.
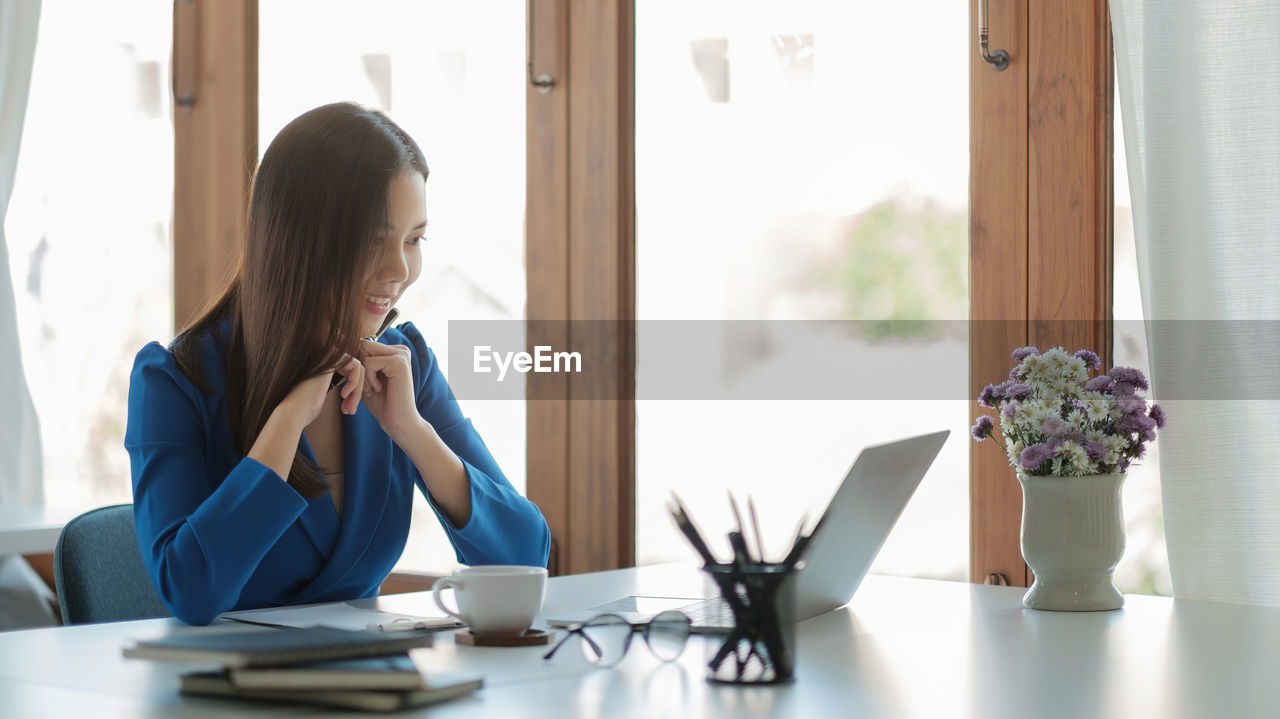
[(900, 261)]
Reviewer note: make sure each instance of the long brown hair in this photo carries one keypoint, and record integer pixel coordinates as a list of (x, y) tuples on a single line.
[(317, 208)]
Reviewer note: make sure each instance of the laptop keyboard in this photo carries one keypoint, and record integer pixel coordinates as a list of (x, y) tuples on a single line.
[(710, 614)]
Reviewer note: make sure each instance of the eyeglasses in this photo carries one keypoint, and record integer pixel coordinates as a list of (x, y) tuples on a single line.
[(606, 638)]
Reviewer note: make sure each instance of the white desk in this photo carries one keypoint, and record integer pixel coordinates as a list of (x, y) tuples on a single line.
[(902, 648), (31, 529)]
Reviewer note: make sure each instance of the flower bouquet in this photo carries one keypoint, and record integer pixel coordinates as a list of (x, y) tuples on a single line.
[(1059, 421), (1071, 435)]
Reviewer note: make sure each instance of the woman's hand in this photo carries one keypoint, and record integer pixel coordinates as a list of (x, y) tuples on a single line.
[(388, 389), (389, 395), (278, 441), (306, 399)]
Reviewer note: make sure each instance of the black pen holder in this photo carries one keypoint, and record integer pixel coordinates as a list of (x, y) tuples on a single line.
[(761, 647)]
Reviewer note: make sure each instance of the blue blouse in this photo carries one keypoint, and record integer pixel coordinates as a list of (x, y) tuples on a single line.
[(220, 531)]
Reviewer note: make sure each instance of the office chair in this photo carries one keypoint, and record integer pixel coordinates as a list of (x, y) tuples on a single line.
[(98, 570)]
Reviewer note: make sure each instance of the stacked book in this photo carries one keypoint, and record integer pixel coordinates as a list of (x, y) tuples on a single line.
[(367, 670)]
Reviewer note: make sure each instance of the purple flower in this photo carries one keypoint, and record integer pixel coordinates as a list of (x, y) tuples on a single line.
[(1018, 390), (1090, 358), (987, 396), (1054, 426), (983, 428), (1129, 376), (1013, 373), (1074, 435), (1033, 457), (1130, 405), (1136, 423), (1095, 450), (1008, 410), (1157, 414), (1101, 383), (1053, 444), (1024, 352)]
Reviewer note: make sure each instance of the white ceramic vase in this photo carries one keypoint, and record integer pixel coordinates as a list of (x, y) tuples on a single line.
[(1072, 539)]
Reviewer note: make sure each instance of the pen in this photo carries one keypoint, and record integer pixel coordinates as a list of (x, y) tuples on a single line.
[(737, 516), (741, 555), (797, 551), (797, 546), (392, 314), (755, 527), (690, 531), (409, 624), (395, 626)]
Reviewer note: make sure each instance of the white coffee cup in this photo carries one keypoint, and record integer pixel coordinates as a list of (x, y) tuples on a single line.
[(495, 600)]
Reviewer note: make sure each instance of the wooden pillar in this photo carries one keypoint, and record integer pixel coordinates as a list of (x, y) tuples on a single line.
[(215, 118), (1040, 223)]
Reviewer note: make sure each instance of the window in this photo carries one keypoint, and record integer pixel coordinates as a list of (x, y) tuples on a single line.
[(785, 183), (452, 74), (1039, 211), (88, 233)]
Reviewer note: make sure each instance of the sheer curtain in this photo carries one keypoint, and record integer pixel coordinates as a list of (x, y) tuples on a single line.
[(24, 600), (1200, 102), (20, 464)]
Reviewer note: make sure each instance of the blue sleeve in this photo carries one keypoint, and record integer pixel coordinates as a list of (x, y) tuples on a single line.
[(201, 536), (505, 527)]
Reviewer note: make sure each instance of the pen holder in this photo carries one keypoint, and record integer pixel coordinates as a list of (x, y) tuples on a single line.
[(761, 647)]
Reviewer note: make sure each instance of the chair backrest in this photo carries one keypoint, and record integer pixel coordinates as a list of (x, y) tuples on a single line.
[(98, 570)]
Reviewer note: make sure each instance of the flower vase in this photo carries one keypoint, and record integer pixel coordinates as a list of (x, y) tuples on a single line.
[(1072, 539)]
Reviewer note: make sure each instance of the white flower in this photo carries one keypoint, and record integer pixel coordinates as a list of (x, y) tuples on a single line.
[(1083, 466), (1097, 410), (1044, 389), (1075, 459), (1014, 449), (1077, 370), (1070, 449), (1033, 370), (1043, 411), (1093, 435), (1077, 419), (1066, 388), (1056, 361)]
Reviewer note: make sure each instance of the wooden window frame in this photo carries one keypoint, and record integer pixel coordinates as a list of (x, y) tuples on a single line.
[(580, 260), (1040, 231), (215, 59), (1040, 224)]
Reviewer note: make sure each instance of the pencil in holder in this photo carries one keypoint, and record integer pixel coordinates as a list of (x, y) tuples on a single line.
[(761, 647)]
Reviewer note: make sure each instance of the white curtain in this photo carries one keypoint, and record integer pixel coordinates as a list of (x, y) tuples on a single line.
[(1199, 85), (24, 599), (20, 463)]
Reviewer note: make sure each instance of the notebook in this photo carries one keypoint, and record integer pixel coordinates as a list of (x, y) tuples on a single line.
[(386, 700), (394, 672), (277, 647), (355, 614), (840, 551)]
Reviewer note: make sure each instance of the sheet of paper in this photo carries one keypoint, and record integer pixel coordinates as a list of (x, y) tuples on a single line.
[(346, 615)]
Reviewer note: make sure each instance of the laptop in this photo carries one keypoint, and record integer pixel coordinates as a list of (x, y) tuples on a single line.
[(843, 545)]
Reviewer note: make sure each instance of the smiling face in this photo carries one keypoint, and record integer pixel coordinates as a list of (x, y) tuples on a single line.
[(399, 260)]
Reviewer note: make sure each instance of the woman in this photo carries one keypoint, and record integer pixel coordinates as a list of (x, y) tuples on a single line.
[(254, 483)]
